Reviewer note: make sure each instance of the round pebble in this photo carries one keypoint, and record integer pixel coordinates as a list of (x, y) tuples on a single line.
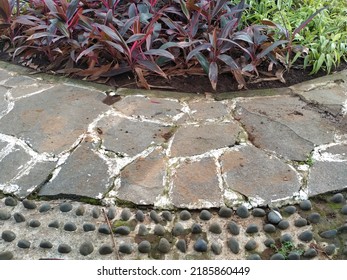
[(242, 212), (258, 212), (64, 248), (300, 222), (24, 244), (144, 247), (269, 242), (233, 228), (159, 230), (286, 238), (155, 217), (205, 215), (215, 228), (216, 248), (185, 215), (344, 210), (269, 228), (69, 226), (337, 198), (225, 212), (305, 205), (306, 236), (164, 245), (88, 227), (4, 215), (342, 229), (310, 253), (328, 234), (290, 210), (10, 201), (181, 245), (19, 217), (7, 255), (254, 257), (45, 207), (252, 229), (104, 228), (330, 249), (142, 230), (8, 235), (277, 256), (54, 224), (34, 223), (251, 245), (274, 217), (65, 207), (105, 250), (125, 248), (314, 218), (167, 215), (234, 245), (80, 210), (200, 245), (46, 244), (111, 213), (126, 214), (124, 230), (139, 216), (86, 248), (178, 229), (196, 228), (28, 204), (284, 224), (293, 256), (96, 212)]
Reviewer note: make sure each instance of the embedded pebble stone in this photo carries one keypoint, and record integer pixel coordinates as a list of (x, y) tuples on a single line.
[(64, 248), (8, 235), (216, 248), (155, 217), (34, 223), (310, 253), (105, 249), (24, 244), (290, 209), (269, 228), (225, 212), (234, 245), (344, 210), (88, 227), (167, 215), (286, 238), (314, 218), (330, 249), (4, 214), (28, 204), (123, 230), (185, 215), (196, 228), (125, 248), (86, 248), (253, 257), (159, 230), (7, 255), (233, 228), (200, 245), (144, 247), (274, 217), (19, 217), (277, 256), (139, 216), (142, 230), (305, 205), (126, 214), (45, 207), (69, 226), (284, 224), (258, 212), (252, 229), (242, 212), (96, 212), (10, 201), (54, 224), (342, 229), (300, 222), (181, 245), (337, 198), (306, 236), (80, 210), (104, 228), (205, 215), (293, 256), (178, 229), (46, 244), (251, 245), (164, 245), (269, 242), (65, 207), (111, 213), (215, 228)]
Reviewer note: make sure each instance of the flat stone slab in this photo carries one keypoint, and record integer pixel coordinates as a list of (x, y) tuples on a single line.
[(22, 91), (207, 111), (4, 75), (262, 179), (3, 102), (20, 81)]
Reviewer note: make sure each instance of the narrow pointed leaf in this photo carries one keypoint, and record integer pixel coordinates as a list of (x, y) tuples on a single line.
[(218, 7), (51, 6), (160, 52), (228, 60), (303, 24), (72, 9), (149, 65), (213, 74), (197, 50), (109, 31), (88, 51), (203, 62), (271, 48)]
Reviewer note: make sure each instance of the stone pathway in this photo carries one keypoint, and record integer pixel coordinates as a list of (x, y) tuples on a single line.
[(65, 140)]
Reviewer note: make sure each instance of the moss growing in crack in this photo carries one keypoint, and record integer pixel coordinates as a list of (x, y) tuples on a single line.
[(287, 247), (89, 200), (130, 224), (125, 203)]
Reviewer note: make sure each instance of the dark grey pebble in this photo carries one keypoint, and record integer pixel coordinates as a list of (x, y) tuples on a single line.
[(258, 212), (196, 228), (300, 222), (328, 234), (269, 228), (251, 245), (80, 210), (344, 210), (111, 213), (274, 217), (178, 229), (46, 244), (24, 244), (277, 256), (330, 249), (284, 224), (305, 205), (125, 248), (126, 214), (19, 217), (142, 230), (155, 217), (65, 207), (269, 242), (310, 253), (104, 228), (233, 228), (181, 245), (200, 245), (8, 235), (216, 248), (144, 247), (123, 230), (215, 228), (34, 223), (10, 201), (28, 204), (167, 215), (105, 249), (7, 255), (64, 248), (88, 227), (86, 248), (290, 209), (45, 207), (4, 214), (164, 245), (234, 245), (337, 198), (159, 230), (139, 216), (225, 212), (252, 229), (185, 215), (253, 257), (205, 215), (306, 236), (314, 218), (54, 224), (242, 212), (293, 256), (96, 212), (286, 238), (69, 226), (342, 229)]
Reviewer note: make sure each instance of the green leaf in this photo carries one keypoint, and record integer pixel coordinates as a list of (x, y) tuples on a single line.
[(184, 9), (203, 62), (228, 60), (72, 9), (271, 48), (51, 6), (197, 50), (303, 24), (160, 52)]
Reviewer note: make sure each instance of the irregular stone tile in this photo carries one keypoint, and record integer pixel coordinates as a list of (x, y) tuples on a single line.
[(53, 120), (83, 174), (29, 89), (19, 81), (131, 137), (196, 185), (2, 145), (193, 140), (285, 125), (263, 179), (3, 102), (4, 75), (142, 180), (150, 108), (209, 110)]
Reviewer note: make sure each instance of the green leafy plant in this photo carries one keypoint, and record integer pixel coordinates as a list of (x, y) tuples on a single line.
[(287, 247)]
